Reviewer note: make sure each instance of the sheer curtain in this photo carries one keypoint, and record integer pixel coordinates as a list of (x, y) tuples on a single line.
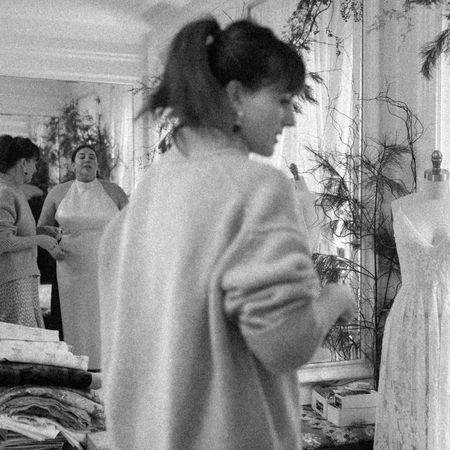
[(326, 125), (392, 63), (331, 124), (113, 104), (121, 129)]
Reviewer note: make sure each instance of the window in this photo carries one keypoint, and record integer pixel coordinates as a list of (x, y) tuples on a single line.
[(330, 126)]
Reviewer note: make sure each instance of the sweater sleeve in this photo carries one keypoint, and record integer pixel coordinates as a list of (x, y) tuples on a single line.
[(9, 241), (271, 289)]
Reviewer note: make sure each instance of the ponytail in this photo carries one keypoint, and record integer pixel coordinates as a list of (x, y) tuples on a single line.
[(203, 59), (188, 84)]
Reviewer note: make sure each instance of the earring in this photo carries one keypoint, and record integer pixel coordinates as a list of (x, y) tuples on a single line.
[(237, 124)]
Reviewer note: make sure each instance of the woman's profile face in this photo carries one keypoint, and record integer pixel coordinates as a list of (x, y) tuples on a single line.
[(85, 165), (264, 114)]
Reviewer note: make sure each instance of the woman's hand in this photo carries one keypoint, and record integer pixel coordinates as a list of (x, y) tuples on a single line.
[(59, 255), (47, 243), (51, 231), (51, 245)]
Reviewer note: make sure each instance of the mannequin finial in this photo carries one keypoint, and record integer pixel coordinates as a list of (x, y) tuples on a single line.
[(436, 173)]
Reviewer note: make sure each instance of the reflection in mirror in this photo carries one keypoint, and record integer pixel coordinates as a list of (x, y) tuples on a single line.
[(59, 116)]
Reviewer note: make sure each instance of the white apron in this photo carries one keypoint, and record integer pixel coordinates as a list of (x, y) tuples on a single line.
[(82, 215)]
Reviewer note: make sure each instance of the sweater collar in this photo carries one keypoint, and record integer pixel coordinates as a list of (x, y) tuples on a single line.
[(198, 143)]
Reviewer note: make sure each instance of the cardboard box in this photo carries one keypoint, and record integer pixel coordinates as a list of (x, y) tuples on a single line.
[(351, 416), (350, 398), (320, 397), (352, 407)]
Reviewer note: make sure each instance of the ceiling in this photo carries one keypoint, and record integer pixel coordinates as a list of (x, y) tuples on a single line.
[(83, 32), (129, 18), (160, 14)]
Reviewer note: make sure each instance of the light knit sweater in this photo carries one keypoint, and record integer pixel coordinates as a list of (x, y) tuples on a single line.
[(209, 304), (18, 245)]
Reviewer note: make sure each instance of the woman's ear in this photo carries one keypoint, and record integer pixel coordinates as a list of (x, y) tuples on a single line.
[(235, 91), (22, 163)]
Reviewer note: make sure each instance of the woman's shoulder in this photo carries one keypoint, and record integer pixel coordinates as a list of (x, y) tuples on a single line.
[(112, 187), (62, 186), (264, 190), (109, 184), (259, 178), (59, 190), (117, 194)]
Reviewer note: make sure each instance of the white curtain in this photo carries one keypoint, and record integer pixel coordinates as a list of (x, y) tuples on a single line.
[(325, 125), (392, 63), (113, 103), (122, 133)]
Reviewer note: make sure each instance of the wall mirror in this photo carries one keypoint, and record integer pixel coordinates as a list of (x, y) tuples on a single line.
[(327, 134), (59, 115)]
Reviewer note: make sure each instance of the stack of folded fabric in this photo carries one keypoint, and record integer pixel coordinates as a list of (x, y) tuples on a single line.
[(16, 441), (45, 391)]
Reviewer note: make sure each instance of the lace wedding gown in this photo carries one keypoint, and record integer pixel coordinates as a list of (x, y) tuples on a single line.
[(413, 402)]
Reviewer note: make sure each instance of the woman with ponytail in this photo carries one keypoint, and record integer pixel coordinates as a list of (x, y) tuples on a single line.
[(209, 300), (19, 273)]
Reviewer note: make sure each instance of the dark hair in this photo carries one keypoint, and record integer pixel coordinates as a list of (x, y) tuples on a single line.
[(14, 148), (80, 147), (203, 59)]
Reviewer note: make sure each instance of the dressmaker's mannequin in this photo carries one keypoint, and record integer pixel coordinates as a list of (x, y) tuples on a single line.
[(429, 210), (413, 404)]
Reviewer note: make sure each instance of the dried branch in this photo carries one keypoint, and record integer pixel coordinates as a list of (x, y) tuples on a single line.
[(432, 51), (353, 219)]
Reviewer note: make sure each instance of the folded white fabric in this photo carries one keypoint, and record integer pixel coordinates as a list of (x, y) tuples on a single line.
[(50, 353)]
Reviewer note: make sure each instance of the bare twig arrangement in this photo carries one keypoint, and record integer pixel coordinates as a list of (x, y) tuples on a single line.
[(303, 27), (70, 129), (355, 189)]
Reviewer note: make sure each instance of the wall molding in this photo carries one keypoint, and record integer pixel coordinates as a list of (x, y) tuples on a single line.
[(330, 371), (71, 64)]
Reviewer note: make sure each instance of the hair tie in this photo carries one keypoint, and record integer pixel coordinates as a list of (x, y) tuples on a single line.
[(213, 36)]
